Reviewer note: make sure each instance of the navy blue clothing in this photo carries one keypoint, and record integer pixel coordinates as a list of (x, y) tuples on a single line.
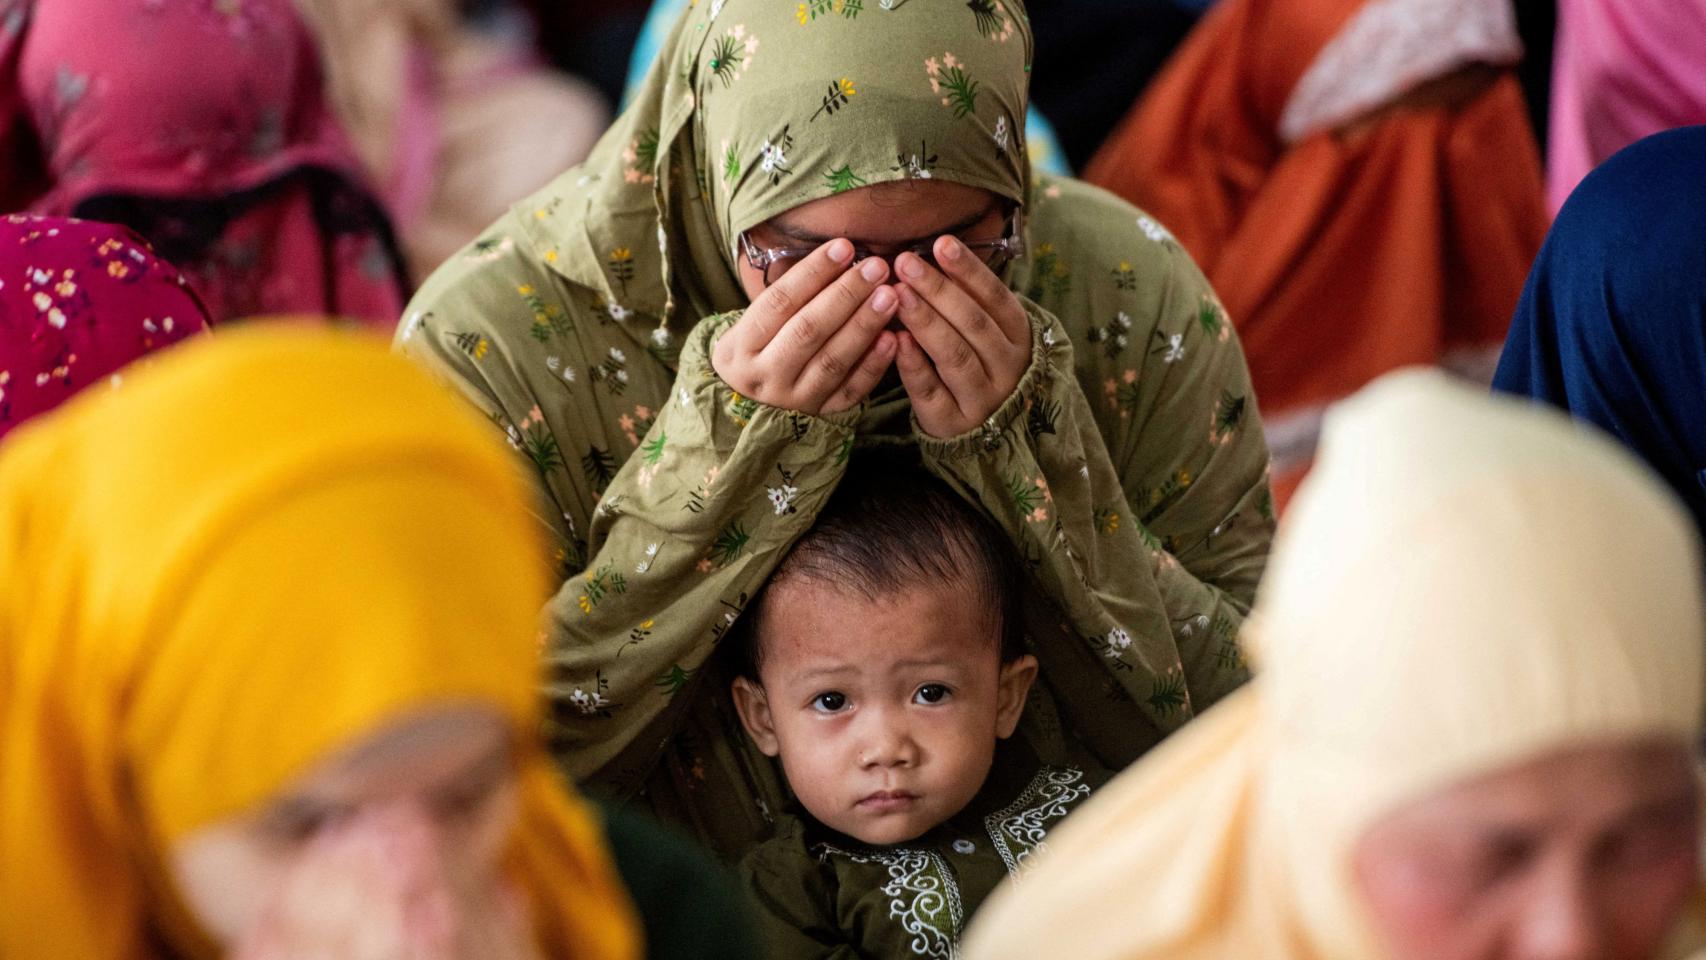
[(1612, 323)]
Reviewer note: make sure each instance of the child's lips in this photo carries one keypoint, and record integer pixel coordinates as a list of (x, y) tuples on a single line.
[(887, 801)]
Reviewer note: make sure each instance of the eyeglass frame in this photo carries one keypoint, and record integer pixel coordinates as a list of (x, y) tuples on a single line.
[(1011, 243)]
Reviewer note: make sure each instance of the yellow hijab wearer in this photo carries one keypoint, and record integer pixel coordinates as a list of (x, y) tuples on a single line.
[(1462, 583), (255, 553)]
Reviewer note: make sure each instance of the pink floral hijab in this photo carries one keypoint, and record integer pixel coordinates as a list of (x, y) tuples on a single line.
[(78, 301), (202, 125)]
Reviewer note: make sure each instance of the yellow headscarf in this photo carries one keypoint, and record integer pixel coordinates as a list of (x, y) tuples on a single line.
[(1463, 582), (253, 554)]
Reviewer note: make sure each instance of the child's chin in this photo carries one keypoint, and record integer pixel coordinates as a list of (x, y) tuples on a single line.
[(886, 831)]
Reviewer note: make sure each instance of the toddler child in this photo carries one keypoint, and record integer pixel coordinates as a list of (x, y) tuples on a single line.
[(884, 664)]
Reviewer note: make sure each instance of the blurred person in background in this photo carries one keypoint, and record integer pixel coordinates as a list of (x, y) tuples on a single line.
[(588, 38), (79, 301), (204, 128), (452, 116), (1472, 735), (1359, 182), (1612, 325), (267, 680), (1622, 69), (1095, 57)]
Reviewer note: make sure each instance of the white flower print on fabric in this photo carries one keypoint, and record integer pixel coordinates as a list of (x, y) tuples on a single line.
[(782, 498), (660, 336), (1173, 350), (915, 169), (618, 311), (588, 703), (773, 156), (1119, 639), (486, 250), (1000, 135), (651, 554), (1153, 229)]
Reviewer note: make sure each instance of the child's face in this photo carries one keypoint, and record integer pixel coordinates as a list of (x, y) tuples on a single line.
[(885, 714)]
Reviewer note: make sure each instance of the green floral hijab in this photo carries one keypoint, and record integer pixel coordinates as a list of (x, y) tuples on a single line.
[(755, 107)]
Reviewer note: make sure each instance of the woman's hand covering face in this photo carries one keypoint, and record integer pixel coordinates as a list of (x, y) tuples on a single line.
[(813, 341), (967, 339)]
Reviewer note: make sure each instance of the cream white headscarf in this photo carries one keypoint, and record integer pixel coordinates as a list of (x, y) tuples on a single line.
[(1462, 583)]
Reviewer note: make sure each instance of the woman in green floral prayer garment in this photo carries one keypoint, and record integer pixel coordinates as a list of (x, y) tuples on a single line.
[(681, 338)]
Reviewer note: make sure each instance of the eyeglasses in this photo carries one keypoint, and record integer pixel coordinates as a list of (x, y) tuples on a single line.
[(996, 254)]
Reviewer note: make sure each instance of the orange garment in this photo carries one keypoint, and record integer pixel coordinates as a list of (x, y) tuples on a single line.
[(1399, 235)]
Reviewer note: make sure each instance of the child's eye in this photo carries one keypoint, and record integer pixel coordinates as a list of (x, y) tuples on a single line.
[(831, 702), (931, 693)]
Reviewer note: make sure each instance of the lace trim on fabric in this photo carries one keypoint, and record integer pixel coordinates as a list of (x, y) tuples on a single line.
[(1388, 48), (1019, 830), (923, 897)]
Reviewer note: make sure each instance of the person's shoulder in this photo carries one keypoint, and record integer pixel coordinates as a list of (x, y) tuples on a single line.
[(787, 852), (1078, 220), (503, 257)]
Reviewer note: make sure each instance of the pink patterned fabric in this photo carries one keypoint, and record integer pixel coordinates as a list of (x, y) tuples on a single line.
[(203, 125), (1621, 70), (78, 301)]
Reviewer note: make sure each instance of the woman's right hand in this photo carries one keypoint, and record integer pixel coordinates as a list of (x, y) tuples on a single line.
[(813, 341)]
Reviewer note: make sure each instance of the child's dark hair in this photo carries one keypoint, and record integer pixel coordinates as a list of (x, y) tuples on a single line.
[(888, 527)]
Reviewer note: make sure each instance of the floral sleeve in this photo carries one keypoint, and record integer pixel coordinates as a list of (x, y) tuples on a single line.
[(1042, 468), (686, 533), (1185, 438)]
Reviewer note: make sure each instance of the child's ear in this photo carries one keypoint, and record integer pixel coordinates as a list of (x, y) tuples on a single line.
[(754, 709), (1015, 686)]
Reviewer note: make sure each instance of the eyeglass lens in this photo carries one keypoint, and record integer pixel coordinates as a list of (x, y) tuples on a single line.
[(995, 259)]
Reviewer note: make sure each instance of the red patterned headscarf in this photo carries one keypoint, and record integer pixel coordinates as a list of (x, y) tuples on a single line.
[(79, 300)]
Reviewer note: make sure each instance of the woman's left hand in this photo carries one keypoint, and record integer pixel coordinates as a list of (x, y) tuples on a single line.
[(967, 339)]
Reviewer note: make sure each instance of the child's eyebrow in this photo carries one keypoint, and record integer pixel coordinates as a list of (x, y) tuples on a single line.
[(939, 664), (825, 671)]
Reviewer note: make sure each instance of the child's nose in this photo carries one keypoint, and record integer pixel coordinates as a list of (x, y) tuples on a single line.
[(889, 745)]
